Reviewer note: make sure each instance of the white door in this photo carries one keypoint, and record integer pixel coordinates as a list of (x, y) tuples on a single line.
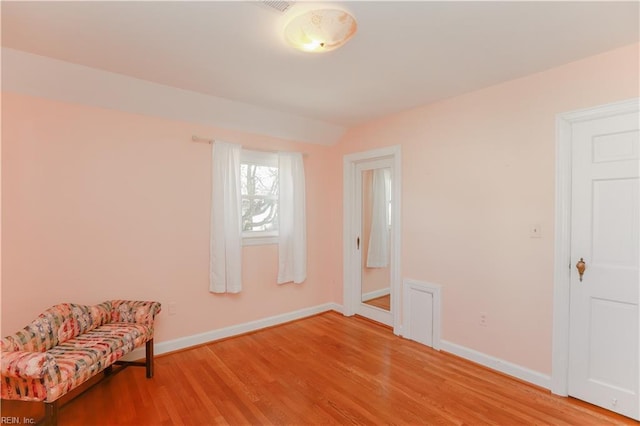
[(376, 313), (354, 166), (605, 220)]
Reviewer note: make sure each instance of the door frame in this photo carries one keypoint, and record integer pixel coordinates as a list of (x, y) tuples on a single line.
[(350, 230), (562, 256)]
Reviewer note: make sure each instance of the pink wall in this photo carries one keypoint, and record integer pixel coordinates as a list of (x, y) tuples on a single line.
[(100, 204), (478, 170)]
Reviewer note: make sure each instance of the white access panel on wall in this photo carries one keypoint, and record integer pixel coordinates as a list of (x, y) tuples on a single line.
[(421, 302)]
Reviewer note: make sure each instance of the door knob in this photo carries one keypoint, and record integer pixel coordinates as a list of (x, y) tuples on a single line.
[(581, 266)]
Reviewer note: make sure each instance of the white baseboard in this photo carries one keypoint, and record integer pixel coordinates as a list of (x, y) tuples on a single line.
[(234, 330), (497, 364), (375, 294), (489, 361)]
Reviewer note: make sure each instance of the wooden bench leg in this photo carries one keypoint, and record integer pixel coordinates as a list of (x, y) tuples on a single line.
[(51, 413), (149, 358)]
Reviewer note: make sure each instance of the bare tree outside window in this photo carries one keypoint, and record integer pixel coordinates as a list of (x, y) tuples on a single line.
[(259, 197)]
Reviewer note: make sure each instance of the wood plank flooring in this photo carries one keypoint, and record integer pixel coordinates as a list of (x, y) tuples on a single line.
[(326, 369), (382, 302)]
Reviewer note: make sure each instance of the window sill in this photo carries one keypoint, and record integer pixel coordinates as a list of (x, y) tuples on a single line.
[(259, 241)]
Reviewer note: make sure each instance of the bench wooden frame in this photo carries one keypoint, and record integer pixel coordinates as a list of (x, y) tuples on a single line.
[(51, 409)]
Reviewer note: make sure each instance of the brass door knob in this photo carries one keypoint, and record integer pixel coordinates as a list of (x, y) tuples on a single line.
[(581, 266)]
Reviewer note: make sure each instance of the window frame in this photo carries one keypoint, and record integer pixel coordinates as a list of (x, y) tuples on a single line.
[(268, 159)]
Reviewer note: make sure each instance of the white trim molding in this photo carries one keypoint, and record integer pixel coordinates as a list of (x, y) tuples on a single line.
[(562, 256), (375, 294), (234, 330), (497, 364)]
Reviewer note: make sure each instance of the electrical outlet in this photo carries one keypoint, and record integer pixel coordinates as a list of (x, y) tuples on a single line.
[(483, 319), (172, 308)]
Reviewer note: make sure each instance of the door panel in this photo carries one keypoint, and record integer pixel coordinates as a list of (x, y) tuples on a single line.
[(615, 214), (363, 307), (615, 146), (612, 353), (603, 344)]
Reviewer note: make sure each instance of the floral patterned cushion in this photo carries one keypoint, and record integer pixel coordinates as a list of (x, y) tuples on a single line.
[(26, 364), (133, 311), (57, 325), (68, 344)]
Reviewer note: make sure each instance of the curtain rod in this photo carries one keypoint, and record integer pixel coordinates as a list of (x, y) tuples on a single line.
[(195, 138)]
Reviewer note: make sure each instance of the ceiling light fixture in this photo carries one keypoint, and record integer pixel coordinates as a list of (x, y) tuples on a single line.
[(320, 30)]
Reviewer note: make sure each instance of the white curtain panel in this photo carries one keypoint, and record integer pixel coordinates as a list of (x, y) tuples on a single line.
[(225, 268), (292, 241), (378, 254)]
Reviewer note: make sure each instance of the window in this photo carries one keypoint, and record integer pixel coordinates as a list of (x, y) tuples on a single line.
[(259, 191)]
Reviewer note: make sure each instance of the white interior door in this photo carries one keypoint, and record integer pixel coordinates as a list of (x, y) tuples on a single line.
[(605, 221), (361, 308), (354, 164)]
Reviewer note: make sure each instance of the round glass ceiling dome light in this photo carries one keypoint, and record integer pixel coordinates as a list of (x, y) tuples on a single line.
[(320, 30)]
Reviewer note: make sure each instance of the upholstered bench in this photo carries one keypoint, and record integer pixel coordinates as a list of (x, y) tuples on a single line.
[(68, 344)]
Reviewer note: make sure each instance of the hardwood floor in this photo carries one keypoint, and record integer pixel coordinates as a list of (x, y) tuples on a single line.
[(326, 369), (382, 302)]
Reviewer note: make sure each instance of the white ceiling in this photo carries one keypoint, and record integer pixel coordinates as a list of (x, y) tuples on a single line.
[(405, 54)]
